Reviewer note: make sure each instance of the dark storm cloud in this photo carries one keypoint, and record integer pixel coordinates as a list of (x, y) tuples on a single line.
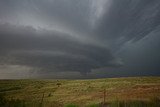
[(129, 20), (140, 58), (50, 51), (78, 35), (72, 14)]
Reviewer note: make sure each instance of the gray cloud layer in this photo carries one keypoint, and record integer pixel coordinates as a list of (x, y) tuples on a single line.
[(50, 50), (76, 35)]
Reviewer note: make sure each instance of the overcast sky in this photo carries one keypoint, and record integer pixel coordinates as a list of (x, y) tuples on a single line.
[(79, 38)]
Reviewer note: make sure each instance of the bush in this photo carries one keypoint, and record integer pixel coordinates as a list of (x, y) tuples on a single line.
[(10, 103), (58, 84), (2, 100)]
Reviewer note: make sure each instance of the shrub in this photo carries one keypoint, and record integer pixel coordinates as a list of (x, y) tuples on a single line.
[(58, 84)]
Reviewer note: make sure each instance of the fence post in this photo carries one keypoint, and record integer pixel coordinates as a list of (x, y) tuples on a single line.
[(104, 97), (41, 104)]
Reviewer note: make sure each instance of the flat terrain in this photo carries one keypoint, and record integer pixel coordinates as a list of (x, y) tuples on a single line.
[(81, 92)]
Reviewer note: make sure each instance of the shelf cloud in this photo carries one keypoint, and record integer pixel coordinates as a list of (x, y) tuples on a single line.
[(95, 38)]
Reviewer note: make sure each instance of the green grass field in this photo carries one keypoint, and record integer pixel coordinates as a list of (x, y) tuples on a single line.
[(119, 92)]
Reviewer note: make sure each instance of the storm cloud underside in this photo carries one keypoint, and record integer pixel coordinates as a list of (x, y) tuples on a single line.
[(100, 38)]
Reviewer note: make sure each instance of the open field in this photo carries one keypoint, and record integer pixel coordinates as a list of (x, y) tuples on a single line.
[(58, 93)]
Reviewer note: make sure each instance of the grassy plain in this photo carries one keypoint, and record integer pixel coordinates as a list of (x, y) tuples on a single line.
[(81, 93)]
